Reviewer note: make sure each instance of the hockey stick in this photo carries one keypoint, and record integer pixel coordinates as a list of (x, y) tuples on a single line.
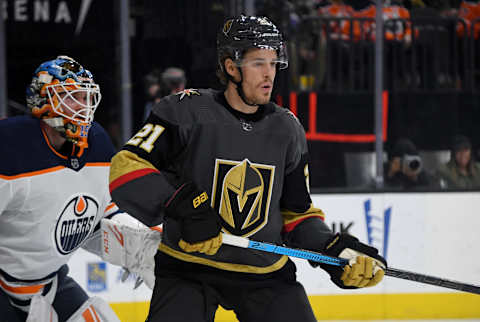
[(320, 258)]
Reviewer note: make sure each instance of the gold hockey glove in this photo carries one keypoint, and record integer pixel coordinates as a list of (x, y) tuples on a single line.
[(209, 247), (199, 224), (365, 267)]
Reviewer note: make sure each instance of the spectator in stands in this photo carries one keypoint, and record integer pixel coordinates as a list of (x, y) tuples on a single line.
[(152, 90), (336, 9), (468, 14), (438, 66), (397, 35), (336, 39), (405, 168), (461, 171), (158, 85), (464, 16), (306, 63), (397, 25)]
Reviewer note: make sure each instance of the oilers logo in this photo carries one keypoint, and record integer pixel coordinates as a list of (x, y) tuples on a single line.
[(242, 193), (75, 223)]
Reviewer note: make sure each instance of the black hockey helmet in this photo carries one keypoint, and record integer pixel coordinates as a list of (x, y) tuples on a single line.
[(244, 32)]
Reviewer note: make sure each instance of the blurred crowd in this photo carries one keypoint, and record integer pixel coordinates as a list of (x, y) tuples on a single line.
[(406, 169), (327, 38), (162, 83)]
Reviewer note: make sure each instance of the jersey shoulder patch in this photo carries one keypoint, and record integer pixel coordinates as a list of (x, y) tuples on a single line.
[(186, 107), (190, 92)]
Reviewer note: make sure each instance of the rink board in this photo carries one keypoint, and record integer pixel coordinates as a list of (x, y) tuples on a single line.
[(431, 233)]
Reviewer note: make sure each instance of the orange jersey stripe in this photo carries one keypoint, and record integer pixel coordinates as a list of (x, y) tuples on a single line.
[(31, 289), (157, 228), (110, 206), (97, 164), (53, 169), (33, 173), (88, 316), (50, 146), (95, 313)]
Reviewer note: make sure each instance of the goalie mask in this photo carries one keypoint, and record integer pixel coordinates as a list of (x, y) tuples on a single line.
[(64, 95)]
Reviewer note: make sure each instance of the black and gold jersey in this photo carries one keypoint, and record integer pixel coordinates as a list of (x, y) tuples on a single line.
[(252, 166)]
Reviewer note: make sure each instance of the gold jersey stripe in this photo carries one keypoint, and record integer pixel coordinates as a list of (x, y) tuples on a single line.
[(222, 265), (290, 216), (125, 162)]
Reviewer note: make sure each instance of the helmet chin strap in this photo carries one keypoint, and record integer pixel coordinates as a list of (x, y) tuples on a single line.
[(240, 89)]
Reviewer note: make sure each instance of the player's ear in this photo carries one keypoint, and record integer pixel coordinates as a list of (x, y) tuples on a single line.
[(232, 69)]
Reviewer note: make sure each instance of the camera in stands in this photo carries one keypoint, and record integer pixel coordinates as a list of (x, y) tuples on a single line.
[(412, 162)]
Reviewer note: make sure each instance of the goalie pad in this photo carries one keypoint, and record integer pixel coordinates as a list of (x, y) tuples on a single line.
[(128, 243), (94, 310), (41, 310)]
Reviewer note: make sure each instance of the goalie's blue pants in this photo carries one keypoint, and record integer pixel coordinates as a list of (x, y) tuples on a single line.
[(68, 298)]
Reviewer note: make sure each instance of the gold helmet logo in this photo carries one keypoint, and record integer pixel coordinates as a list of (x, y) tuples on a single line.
[(227, 26), (242, 194)]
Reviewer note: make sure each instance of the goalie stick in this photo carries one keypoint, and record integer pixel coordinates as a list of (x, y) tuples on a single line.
[(321, 258)]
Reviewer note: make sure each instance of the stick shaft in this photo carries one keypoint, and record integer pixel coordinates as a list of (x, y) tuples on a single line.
[(320, 258), (432, 280)]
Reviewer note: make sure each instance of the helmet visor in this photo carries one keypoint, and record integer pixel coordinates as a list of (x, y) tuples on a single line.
[(262, 63)]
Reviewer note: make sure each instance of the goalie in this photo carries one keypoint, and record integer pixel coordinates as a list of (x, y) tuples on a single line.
[(209, 161), (54, 193)]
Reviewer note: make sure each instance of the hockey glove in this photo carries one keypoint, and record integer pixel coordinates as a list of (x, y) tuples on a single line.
[(200, 225), (365, 267), (129, 243)]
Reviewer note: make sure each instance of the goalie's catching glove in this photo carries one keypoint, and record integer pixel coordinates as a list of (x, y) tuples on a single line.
[(365, 267), (200, 225)]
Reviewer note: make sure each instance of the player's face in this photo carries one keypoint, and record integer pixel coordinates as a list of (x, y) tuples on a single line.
[(258, 71), (74, 104)]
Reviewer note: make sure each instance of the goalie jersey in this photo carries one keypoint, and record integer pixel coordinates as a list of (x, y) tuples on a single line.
[(50, 203), (252, 166)]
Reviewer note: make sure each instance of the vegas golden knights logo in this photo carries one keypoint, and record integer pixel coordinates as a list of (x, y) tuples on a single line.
[(242, 193), (227, 26)]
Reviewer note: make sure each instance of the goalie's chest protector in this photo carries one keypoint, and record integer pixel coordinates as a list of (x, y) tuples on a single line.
[(242, 165), (50, 204)]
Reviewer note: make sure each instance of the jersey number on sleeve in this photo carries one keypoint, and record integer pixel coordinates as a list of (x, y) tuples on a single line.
[(146, 136)]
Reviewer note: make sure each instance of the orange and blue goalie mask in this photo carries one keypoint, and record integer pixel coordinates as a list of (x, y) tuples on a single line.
[(63, 91)]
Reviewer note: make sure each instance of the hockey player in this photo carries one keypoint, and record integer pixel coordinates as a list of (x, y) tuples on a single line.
[(54, 192), (210, 161)]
